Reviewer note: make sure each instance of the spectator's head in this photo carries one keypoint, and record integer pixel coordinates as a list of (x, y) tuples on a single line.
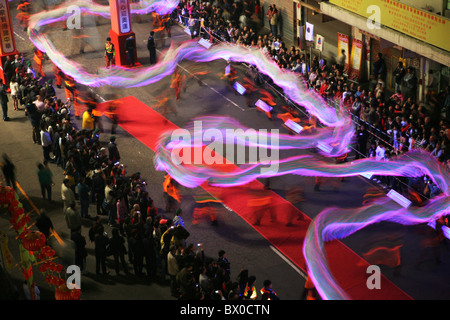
[(251, 281), (267, 284), (115, 232), (222, 254)]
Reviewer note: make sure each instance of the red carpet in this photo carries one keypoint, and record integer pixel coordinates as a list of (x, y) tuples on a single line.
[(251, 202)]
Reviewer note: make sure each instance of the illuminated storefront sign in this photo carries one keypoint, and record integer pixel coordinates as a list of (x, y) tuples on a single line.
[(420, 24)]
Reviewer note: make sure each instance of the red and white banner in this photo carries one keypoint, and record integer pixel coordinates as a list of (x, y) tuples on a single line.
[(319, 42), (355, 60), (6, 33), (343, 45)]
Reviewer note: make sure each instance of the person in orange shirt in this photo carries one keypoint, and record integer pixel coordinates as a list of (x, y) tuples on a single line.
[(178, 81), (171, 193), (23, 14), (309, 292), (58, 76), (39, 60), (69, 87)]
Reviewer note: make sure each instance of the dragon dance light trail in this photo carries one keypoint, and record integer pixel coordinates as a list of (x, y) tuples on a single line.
[(338, 132)]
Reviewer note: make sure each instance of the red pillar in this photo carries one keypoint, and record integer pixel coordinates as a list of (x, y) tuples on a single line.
[(121, 30), (7, 41)]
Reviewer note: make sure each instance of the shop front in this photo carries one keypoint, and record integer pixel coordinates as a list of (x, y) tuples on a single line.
[(403, 33)]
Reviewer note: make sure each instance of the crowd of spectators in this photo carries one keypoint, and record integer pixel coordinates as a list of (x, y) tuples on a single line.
[(391, 121), (144, 239), (157, 243), (389, 124), (241, 22)]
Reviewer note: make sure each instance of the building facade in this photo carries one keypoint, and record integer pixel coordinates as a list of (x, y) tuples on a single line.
[(415, 32)]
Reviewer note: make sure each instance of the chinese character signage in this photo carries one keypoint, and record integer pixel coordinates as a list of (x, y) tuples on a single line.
[(420, 24), (6, 36), (355, 59), (124, 16), (343, 45)]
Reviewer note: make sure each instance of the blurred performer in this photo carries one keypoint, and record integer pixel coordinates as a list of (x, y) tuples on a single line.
[(168, 106), (205, 207), (261, 203), (113, 113), (387, 251), (290, 114), (71, 91), (230, 75), (317, 182), (39, 60), (341, 159), (178, 81), (138, 16), (156, 20), (79, 103), (431, 241), (58, 76), (23, 15), (167, 24), (196, 71), (85, 100), (294, 196), (171, 193), (309, 292)]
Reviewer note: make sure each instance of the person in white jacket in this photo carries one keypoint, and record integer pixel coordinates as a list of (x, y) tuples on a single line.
[(172, 270), (14, 86), (67, 194)]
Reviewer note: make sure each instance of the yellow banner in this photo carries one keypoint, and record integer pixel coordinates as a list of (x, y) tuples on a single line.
[(420, 24)]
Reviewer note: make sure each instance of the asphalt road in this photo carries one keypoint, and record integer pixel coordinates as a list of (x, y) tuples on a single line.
[(246, 249)]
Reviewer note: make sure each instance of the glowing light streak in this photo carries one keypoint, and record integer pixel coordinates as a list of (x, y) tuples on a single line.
[(336, 136)]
